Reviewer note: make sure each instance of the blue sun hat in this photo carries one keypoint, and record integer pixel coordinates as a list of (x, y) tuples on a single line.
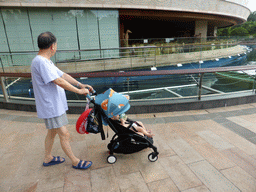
[(112, 103)]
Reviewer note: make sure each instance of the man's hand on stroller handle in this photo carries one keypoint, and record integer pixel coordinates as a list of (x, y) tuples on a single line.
[(88, 91), (89, 87), (83, 91)]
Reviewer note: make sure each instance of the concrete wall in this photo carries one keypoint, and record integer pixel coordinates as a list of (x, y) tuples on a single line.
[(240, 2), (217, 7)]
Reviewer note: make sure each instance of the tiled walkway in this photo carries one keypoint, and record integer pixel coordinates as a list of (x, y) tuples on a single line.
[(200, 151)]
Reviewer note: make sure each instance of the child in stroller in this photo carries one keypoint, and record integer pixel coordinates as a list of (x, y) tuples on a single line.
[(107, 108), (136, 126)]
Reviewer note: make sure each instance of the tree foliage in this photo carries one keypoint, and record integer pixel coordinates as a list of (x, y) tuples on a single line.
[(252, 16), (246, 29)]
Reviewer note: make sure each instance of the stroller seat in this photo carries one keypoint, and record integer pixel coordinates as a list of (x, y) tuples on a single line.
[(127, 141)]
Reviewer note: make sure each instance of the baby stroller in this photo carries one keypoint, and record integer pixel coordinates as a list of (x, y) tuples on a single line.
[(125, 141)]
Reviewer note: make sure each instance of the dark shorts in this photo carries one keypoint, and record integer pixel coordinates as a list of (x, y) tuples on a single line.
[(56, 122)]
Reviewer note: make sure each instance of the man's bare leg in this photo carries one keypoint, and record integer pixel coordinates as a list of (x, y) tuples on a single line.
[(49, 140), (64, 141)]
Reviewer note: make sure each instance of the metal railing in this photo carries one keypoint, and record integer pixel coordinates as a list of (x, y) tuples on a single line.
[(196, 77), (138, 73)]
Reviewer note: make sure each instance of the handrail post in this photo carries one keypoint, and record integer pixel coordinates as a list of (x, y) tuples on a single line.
[(200, 86), (253, 86), (4, 90), (2, 64), (155, 56)]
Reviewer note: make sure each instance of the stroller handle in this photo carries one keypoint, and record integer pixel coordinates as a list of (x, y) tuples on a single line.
[(91, 94)]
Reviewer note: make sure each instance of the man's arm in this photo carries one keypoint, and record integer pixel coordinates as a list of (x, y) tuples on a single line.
[(67, 86), (74, 82)]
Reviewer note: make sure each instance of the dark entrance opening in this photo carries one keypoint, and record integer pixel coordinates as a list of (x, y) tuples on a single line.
[(155, 27)]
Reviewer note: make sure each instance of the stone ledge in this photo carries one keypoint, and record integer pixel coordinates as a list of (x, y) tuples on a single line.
[(147, 106)]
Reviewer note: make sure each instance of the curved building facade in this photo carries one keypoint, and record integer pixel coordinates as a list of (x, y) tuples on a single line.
[(103, 24)]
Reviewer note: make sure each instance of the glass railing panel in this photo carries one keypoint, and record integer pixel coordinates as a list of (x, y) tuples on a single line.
[(145, 87), (233, 81), (6, 62), (19, 87)]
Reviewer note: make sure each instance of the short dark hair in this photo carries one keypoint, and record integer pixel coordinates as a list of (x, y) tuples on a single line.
[(45, 40)]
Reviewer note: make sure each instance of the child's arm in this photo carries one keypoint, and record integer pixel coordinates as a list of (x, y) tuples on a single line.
[(122, 122), (123, 118)]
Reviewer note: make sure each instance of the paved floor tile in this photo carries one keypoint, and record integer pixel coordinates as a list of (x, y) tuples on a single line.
[(241, 121), (185, 151), (241, 159), (10, 163), (233, 138), (132, 182), (98, 155), (213, 156), (104, 180), (125, 164), (212, 178), (215, 140), (180, 173), (151, 171), (164, 185), (51, 177), (240, 130), (77, 181), (30, 186), (198, 189), (200, 151), (7, 117), (194, 126), (161, 146), (251, 118), (240, 178)]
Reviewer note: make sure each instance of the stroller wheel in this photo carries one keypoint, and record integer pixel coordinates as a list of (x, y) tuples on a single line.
[(111, 159), (152, 157)]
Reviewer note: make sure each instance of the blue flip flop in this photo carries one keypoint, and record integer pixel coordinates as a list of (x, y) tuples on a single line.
[(82, 166), (54, 161)]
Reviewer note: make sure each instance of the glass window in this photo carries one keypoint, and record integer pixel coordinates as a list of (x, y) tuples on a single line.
[(88, 33), (18, 29), (109, 33), (61, 22), (19, 36), (77, 32), (3, 40)]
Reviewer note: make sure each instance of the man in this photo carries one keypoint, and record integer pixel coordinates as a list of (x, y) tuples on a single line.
[(49, 83)]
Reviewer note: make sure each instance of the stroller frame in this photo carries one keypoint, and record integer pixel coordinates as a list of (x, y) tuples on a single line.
[(124, 137)]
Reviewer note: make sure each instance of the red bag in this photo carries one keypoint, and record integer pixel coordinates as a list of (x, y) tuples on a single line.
[(82, 122)]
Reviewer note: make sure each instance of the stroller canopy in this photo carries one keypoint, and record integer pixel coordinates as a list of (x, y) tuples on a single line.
[(112, 103)]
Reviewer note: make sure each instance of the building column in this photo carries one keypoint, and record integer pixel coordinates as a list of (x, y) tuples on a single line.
[(215, 31), (212, 30), (201, 27)]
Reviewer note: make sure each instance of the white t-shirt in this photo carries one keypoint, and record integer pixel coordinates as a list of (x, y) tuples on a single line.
[(50, 98)]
